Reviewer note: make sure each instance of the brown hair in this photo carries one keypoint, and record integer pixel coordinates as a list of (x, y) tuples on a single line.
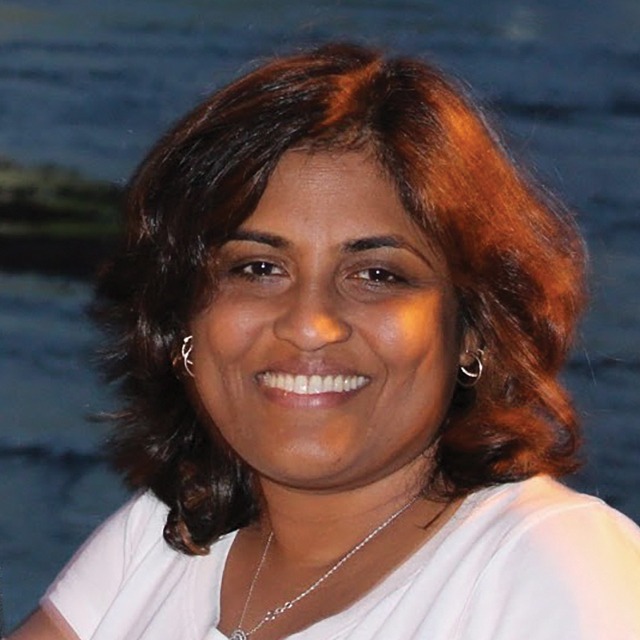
[(515, 258)]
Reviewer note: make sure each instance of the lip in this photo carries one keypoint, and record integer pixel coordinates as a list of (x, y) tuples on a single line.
[(295, 367)]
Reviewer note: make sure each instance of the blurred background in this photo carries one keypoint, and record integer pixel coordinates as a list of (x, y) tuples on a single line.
[(86, 86)]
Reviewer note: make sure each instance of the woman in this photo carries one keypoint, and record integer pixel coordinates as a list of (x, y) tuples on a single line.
[(338, 321)]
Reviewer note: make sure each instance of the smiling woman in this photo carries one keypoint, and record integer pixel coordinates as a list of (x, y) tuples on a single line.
[(328, 282), (338, 320)]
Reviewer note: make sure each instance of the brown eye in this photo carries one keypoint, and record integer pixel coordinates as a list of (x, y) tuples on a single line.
[(378, 275), (258, 269)]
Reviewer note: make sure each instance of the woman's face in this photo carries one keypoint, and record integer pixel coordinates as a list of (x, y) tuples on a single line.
[(328, 355)]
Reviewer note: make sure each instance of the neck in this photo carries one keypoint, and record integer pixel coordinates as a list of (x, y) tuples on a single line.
[(316, 528)]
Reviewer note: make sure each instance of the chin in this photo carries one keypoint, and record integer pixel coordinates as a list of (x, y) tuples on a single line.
[(309, 468)]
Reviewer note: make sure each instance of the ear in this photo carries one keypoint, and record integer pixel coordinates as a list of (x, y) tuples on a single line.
[(470, 345)]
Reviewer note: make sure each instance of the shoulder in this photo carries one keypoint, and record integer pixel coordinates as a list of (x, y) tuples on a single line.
[(533, 511), (555, 559), (139, 523), (126, 579), (140, 511), (92, 578), (132, 530), (545, 522)]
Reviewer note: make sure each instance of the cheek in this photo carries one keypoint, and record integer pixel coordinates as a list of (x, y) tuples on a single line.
[(416, 331), (225, 332), (223, 337)]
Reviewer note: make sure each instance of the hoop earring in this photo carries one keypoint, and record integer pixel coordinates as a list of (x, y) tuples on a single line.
[(185, 352), (474, 374)]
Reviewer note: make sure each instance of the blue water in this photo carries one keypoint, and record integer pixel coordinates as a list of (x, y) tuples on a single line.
[(90, 84)]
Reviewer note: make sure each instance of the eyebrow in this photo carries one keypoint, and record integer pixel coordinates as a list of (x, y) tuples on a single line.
[(277, 242), (383, 242), (351, 246), (376, 242)]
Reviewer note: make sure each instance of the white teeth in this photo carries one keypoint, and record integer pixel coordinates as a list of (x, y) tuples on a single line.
[(301, 385), (315, 384), (312, 385)]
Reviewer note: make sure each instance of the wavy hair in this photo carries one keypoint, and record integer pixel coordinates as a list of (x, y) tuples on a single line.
[(515, 258)]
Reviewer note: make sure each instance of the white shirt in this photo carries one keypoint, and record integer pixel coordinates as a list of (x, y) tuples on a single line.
[(527, 560)]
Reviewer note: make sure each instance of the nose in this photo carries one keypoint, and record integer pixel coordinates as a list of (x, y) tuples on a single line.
[(311, 319)]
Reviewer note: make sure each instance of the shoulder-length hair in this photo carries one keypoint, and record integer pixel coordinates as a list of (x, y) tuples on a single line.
[(514, 255)]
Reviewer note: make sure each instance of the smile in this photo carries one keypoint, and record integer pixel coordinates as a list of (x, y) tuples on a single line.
[(312, 385)]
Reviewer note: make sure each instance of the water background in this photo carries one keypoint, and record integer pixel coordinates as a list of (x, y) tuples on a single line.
[(91, 83)]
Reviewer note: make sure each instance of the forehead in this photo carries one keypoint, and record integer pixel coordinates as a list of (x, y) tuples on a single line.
[(332, 196)]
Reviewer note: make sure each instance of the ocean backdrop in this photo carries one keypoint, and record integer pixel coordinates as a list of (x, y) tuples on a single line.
[(90, 84)]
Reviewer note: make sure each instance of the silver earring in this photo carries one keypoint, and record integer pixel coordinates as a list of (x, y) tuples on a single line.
[(469, 376), (187, 348)]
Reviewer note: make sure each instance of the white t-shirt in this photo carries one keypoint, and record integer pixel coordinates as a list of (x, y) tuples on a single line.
[(530, 560)]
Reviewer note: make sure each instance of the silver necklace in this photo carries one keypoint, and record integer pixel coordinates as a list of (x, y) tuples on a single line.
[(240, 634)]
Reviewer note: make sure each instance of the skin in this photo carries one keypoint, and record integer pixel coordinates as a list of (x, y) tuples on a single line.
[(301, 292), (328, 276), (44, 625)]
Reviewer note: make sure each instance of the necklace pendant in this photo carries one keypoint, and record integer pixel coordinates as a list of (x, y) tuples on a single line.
[(238, 634)]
